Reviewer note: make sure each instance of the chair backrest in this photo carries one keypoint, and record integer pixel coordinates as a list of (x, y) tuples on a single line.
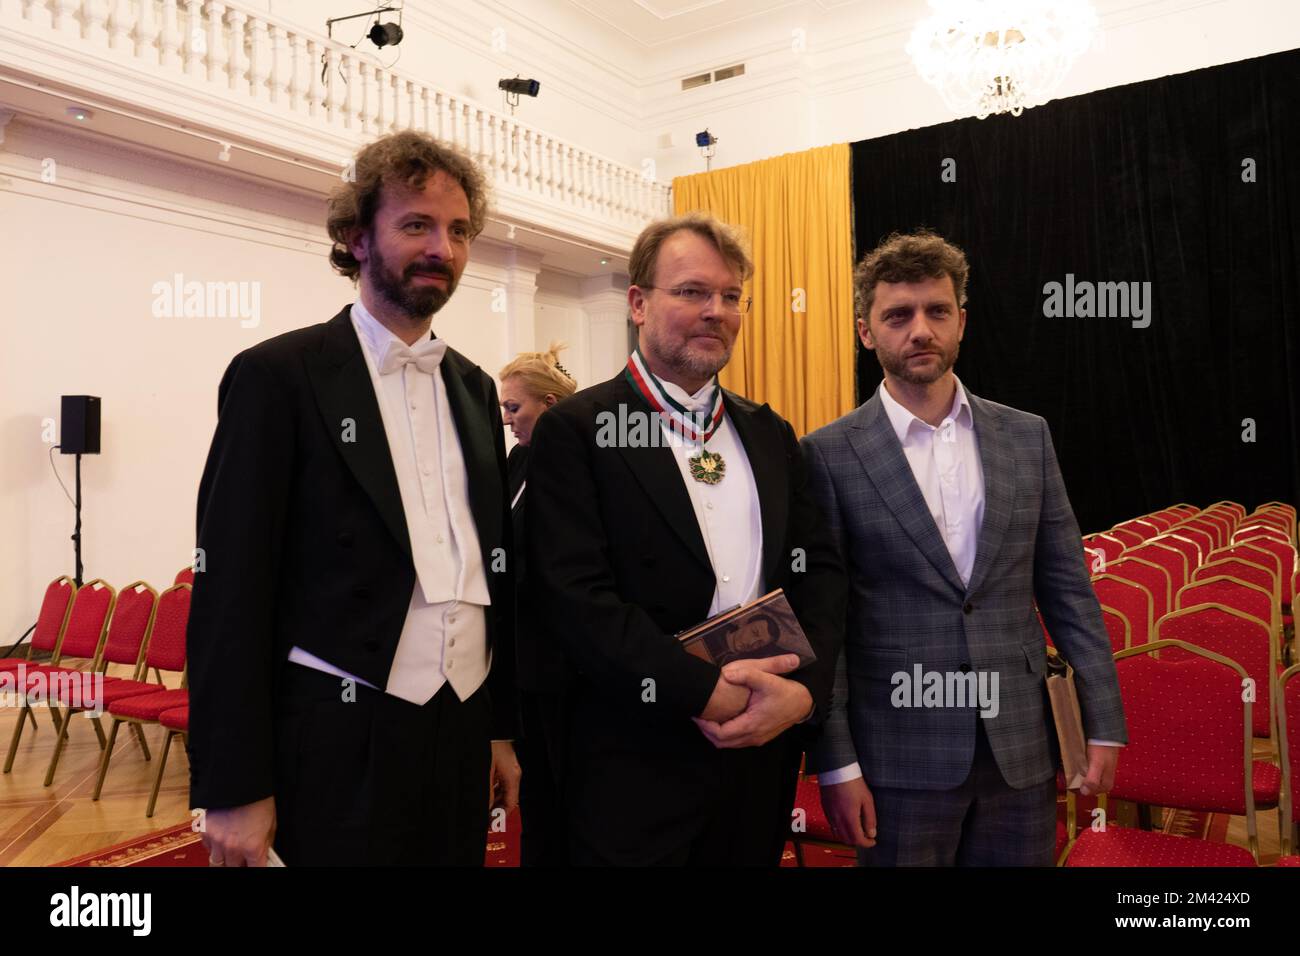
[(1201, 536), (1238, 636), (1117, 627), (1171, 559), (171, 616), (129, 624), (1277, 519), (1108, 544), (1150, 575), (1185, 546), (84, 633), (1160, 519), (1242, 570), (1288, 729), (1184, 509), (1131, 537), (1255, 554), (1130, 598), (1238, 510), (1252, 532), (1214, 530), (1190, 741), (1229, 592), (1224, 524), (184, 576), (56, 607)]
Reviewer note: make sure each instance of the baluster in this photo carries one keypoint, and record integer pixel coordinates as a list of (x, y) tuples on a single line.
[(424, 108), (216, 42), (119, 25), (350, 118), (170, 40), (323, 83), (93, 14), (237, 65), (65, 18), (193, 43), (412, 105), (259, 69), (364, 107), (148, 45), (493, 148), (299, 64), (281, 66)]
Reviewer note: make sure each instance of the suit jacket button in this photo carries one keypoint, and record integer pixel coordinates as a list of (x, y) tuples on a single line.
[(967, 608), (965, 668), (372, 645), (345, 538), (361, 591)]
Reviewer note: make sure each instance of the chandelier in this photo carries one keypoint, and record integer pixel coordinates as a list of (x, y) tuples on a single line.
[(1000, 56)]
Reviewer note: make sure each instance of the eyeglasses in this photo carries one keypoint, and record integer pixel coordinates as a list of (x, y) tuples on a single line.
[(698, 295)]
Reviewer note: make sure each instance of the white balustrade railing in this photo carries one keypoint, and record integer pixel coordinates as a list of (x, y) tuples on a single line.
[(250, 57)]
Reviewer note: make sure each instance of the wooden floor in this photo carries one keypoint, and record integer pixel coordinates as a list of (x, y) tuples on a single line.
[(41, 825)]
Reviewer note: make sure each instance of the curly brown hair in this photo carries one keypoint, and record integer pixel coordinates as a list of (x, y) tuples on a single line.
[(909, 257), (404, 160)]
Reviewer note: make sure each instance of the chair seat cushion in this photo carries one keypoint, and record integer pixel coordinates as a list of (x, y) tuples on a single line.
[(116, 689), (808, 798), (1267, 784), (1125, 846), (149, 706), (1289, 861), (178, 718)]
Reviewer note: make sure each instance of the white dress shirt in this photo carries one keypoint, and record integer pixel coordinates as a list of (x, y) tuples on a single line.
[(945, 461), (727, 512), (444, 637)]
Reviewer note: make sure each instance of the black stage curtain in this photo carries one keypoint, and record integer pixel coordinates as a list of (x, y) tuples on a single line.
[(1141, 183)]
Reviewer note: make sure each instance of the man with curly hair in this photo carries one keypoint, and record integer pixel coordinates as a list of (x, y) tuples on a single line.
[(350, 641)]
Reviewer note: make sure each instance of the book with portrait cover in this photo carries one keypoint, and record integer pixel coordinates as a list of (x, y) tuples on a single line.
[(766, 627)]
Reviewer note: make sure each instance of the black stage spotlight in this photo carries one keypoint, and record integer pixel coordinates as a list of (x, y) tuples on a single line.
[(386, 34), (705, 139), (518, 86)]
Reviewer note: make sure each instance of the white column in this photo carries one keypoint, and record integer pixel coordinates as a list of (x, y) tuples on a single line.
[(604, 301), (522, 266)]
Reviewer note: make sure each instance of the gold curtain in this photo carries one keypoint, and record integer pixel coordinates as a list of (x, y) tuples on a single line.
[(796, 211)]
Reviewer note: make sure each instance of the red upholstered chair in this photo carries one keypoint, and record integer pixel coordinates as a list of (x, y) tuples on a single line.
[(1203, 539), (1117, 627), (1229, 592), (1108, 544), (1225, 522), (1171, 559), (1286, 511), (1276, 519), (139, 703), (1247, 572), (1189, 747), (176, 721), (1238, 636), (1238, 510), (817, 828), (1249, 532), (1130, 537), (1185, 509), (1288, 729), (1151, 576), (1160, 519), (83, 634), (56, 605), (1132, 600), (184, 576), (1188, 548), (123, 646), (1255, 553)]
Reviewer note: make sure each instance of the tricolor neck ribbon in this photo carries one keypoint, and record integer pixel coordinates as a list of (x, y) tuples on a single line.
[(684, 420)]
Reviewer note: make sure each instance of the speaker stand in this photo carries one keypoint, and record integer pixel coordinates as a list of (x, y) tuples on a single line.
[(76, 533)]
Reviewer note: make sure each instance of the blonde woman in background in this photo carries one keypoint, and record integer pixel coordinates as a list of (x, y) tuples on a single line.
[(531, 384)]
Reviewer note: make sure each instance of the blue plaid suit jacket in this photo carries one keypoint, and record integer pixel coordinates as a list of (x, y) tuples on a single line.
[(907, 605)]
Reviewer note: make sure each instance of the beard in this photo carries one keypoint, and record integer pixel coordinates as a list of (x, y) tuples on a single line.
[(416, 302), (896, 365), (684, 359)]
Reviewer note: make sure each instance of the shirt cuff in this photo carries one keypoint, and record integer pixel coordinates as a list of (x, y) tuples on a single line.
[(842, 775), (1106, 743)]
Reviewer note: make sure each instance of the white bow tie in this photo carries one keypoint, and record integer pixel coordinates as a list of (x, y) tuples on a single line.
[(426, 355)]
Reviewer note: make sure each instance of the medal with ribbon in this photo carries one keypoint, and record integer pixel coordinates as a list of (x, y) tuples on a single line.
[(707, 466)]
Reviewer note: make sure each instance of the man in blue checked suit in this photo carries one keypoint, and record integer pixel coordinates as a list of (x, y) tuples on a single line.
[(953, 520)]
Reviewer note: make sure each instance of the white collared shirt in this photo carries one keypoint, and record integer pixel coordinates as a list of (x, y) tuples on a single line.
[(727, 512), (444, 637), (945, 462)]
